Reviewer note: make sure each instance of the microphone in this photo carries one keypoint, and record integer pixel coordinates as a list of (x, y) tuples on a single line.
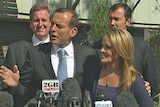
[(32, 103), (101, 100), (51, 88), (126, 99), (6, 99), (41, 98), (100, 96), (71, 94), (47, 96), (87, 99)]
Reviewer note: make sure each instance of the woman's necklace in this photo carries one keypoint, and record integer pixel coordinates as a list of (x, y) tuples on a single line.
[(112, 80), (107, 82)]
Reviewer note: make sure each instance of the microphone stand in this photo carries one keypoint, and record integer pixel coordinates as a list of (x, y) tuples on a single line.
[(51, 100)]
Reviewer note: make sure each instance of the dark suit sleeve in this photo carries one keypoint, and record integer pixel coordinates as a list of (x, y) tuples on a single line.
[(10, 58), (149, 68), (16, 55), (8, 62), (25, 77)]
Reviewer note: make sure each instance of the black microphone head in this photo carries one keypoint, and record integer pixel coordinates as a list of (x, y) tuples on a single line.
[(101, 95), (71, 94), (6, 99), (126, 99)]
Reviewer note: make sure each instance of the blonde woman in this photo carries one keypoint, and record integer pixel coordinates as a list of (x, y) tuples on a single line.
[(117, 73)]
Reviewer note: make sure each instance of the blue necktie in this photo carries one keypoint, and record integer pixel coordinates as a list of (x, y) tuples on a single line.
[(62, 67)]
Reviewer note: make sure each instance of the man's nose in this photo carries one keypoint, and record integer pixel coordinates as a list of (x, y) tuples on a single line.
[(112, 22), (40, 22), (53, 27)]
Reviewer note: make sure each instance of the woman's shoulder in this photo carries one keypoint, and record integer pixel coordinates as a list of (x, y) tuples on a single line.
[(139, 78), (139, 81), (140, 93)]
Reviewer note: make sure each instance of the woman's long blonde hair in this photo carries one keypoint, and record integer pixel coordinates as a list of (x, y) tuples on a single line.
[(122, 42)]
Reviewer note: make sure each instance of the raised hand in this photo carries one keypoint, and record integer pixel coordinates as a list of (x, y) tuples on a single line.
[(10, 78)]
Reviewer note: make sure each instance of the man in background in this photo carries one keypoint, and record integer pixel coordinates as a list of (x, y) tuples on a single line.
[(17, 52), (120, 16)]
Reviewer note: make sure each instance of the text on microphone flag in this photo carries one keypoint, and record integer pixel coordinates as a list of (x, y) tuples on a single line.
[(50, 86)]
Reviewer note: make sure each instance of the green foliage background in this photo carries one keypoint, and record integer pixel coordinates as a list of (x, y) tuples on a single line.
[(98, 20), (155, 44)]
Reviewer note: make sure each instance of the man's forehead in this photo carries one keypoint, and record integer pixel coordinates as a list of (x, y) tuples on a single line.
[(118, 11), (116, 16)]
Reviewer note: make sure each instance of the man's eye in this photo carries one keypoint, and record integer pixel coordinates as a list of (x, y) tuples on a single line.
[(59, 26), (36, 20), (44, 20), (116, 19)]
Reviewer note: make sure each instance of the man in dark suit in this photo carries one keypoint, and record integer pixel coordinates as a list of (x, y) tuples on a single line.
[(42, 61), (40, 25), (120, 16)]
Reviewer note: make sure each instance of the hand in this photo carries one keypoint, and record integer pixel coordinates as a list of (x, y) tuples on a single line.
[(148, 87), (10, 78)]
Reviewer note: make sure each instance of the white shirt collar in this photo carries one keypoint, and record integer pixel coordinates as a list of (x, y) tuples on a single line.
[(69, 49), (36, 41)]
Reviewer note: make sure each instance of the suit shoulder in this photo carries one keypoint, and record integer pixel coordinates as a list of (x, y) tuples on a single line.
[(140, 43), (20, 43), (84, 47), (41, 48), (97, 44)]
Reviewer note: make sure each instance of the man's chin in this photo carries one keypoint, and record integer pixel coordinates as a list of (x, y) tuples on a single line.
[(41, 33), (54, 41)]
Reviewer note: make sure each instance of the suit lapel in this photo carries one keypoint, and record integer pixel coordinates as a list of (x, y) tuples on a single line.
[(46, 58), (27, 44), (78, 60)]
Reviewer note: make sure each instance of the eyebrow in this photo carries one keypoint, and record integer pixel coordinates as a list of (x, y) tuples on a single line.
[(115, 18)]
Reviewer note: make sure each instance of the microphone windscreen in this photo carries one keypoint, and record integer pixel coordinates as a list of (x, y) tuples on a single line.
[(126, 99), (6, 99), (101, 95), (71, 91)]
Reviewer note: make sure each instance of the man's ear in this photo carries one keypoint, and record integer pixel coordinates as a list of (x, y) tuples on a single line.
[(74, 31), (128, 21)]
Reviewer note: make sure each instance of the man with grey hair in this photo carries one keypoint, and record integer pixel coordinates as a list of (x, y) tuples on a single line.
[(17, 52)]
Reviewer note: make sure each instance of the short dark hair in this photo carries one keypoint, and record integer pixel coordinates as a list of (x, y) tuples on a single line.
[(40, 6), (74, 22), (127, 9)]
